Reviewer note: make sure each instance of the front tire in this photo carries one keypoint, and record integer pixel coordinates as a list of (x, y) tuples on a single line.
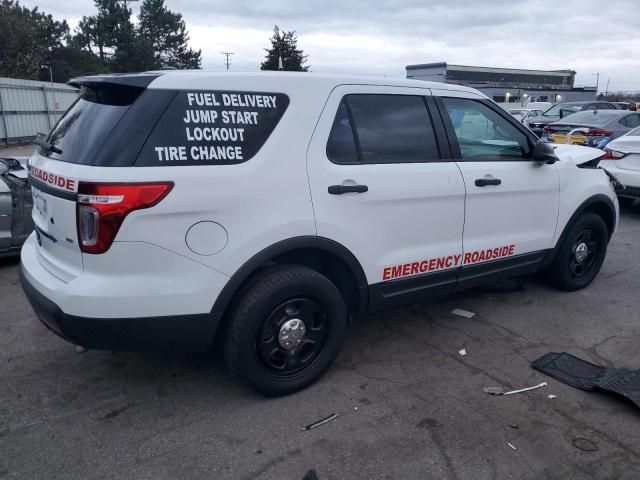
[(581, 253), (286, 330)]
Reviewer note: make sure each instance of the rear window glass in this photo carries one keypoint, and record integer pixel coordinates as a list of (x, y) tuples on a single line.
[(213, 128), (85, 126)]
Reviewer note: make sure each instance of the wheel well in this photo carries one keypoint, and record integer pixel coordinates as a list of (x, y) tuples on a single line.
[(604, 211), (325, 262)]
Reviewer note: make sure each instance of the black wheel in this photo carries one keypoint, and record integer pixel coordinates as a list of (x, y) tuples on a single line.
[(581, 253), (625, 201), (286, 330)]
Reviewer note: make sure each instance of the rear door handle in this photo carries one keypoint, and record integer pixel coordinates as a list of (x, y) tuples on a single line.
[(483, 182), (340, 189)]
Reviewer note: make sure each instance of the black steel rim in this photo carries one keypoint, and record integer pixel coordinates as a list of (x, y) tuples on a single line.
[(283, 362), (581, 269)]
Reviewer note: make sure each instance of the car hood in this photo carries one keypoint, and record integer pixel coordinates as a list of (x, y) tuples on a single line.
[(546, 119), (576, 153), (626, 144)]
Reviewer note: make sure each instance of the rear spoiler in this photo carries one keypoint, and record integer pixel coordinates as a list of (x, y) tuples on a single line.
[(138, 80)]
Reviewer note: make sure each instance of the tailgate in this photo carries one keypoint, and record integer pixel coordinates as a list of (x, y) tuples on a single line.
[(54, 218)]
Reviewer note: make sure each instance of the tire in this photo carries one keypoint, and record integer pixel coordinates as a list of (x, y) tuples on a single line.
[(574, 268), (625, 201), (254, 349)]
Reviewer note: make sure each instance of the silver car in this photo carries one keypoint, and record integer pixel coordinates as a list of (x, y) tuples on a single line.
[(593, 128), (15, 205)]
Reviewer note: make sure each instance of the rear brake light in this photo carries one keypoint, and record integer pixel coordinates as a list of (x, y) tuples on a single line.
[(598, 132), (612, 155), (102, 207), (547, 129)]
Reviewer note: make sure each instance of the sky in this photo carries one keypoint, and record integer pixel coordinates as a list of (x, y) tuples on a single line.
[(381, 37)]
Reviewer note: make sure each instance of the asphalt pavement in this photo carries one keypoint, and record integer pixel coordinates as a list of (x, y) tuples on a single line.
[(408, 404)]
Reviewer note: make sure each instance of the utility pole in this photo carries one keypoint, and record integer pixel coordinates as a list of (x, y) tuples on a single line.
[(227, 58), (606, 92), (597, 81)]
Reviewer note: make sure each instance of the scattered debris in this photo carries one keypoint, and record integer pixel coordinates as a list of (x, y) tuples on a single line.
[(493, 390), (512, 446), (319, 423), (500, 390), (551, 397), (80, 349), (463, 313), (585, 444), (587, 376), (540, 385), (355, 408), (462, 352), (514, 425)]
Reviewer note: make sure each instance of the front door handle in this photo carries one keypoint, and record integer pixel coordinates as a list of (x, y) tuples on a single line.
[(483, 182), (340, 189)]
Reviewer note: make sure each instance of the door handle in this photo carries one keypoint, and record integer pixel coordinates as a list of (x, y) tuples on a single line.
[(340, 189), (483, 182)]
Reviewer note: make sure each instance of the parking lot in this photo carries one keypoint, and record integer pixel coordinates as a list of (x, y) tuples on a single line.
[(408, 404)]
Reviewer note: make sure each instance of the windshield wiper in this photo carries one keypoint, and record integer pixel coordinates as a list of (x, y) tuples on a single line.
[(41, 142)]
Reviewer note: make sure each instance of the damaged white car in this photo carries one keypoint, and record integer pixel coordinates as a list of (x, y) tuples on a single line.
[(15, 205)]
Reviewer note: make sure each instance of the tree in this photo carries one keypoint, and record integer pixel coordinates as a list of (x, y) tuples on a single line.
[(168, 35), (28, 38), (284, 45)]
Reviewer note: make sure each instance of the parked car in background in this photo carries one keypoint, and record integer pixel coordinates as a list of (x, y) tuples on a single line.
[(622, 105), (15, 205), (561, 110), (592, 128), (523, 113), (622, 158)]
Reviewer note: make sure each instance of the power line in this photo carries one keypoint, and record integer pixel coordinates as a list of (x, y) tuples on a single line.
[(227, 58)]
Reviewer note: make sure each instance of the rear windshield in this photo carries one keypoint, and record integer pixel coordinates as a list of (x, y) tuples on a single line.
[(87, 124), (589, 117)]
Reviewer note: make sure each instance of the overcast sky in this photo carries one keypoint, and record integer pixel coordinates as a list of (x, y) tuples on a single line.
[(382, 37)]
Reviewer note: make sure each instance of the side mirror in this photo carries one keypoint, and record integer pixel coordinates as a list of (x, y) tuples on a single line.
[(544, 152), (561, 113)]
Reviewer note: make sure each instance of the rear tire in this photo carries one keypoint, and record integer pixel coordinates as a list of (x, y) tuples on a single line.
[(581, 254), (286, 330)]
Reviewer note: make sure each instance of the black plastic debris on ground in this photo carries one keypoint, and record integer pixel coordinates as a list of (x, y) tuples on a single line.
[(581, 374)]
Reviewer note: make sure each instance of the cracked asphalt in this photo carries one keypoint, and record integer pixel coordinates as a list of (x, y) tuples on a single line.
[(408, 404)]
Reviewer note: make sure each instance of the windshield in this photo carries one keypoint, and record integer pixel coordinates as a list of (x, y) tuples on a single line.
[(555, 110)]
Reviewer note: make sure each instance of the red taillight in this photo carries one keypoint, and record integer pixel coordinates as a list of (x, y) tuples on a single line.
[(598, 132), (547, 129), (102, 207), (612, 155)]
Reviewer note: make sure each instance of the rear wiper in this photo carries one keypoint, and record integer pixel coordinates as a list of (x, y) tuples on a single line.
[(41, 142)]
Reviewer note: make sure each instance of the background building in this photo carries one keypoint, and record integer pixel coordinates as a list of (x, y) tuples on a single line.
[(507, 84)]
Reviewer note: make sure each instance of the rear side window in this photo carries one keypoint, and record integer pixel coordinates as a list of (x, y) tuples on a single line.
[(382, 129), (213, 128)]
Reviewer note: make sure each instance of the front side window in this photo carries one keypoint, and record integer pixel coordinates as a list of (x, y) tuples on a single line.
[(483, 134), (382, 129)]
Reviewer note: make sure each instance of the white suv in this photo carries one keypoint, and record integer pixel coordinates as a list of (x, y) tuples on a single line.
[(267, 210)]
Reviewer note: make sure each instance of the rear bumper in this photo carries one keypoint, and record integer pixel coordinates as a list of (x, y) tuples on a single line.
[(172, 333), (127, 308)]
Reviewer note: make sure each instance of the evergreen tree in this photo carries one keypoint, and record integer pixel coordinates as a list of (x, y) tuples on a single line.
[(168, 35), (284, 45), (28, 38)]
